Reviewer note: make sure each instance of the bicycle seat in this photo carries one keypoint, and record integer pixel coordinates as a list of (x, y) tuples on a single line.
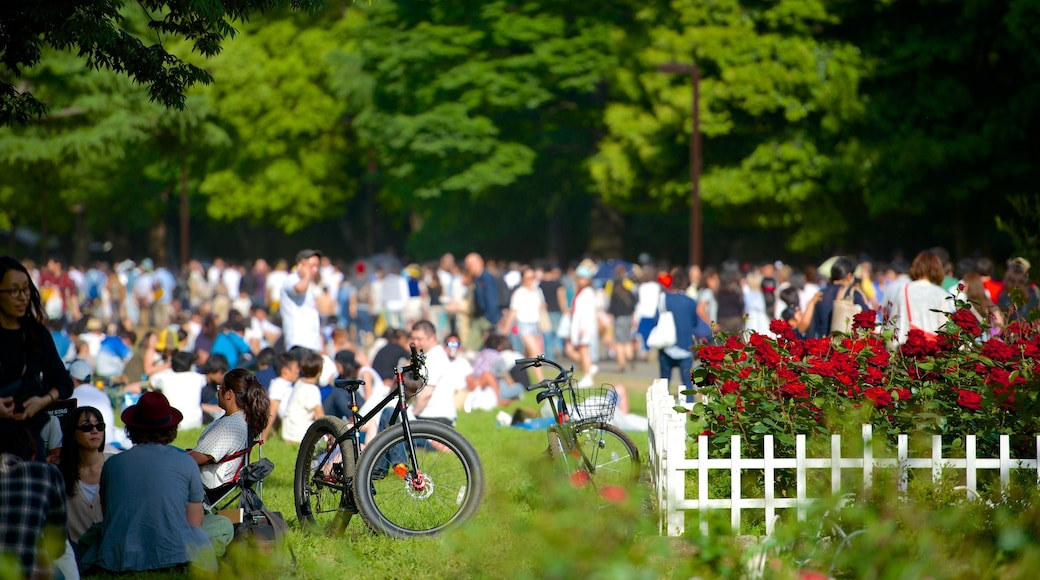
[(348, 384)]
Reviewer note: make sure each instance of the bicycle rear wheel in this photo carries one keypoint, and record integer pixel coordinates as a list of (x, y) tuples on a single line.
[(323, 497), (446, 491), (609, 458)]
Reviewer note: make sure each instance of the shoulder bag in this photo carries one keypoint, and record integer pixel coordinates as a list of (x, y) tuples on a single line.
[(663, 335), (845, 308)]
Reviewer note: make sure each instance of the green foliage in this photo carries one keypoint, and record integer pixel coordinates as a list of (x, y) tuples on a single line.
[(774, 97), (95, 31), (291, 160)]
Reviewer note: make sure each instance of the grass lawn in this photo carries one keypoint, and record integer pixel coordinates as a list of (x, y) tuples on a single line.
[(531, 524)]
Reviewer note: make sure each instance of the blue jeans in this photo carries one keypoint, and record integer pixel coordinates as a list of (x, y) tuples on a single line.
[(667, 363), (553, 343)]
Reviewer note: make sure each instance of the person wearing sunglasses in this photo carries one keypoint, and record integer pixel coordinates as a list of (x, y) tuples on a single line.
[(82, 457), (32, 374)]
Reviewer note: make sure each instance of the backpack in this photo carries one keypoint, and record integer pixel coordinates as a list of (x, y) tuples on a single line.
[(263, 531)]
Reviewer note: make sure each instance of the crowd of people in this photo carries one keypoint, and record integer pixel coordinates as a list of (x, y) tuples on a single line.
[(250, 352)]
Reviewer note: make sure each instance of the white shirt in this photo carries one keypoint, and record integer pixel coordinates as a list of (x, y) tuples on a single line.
[(584, 320), (647, 295), (280, 390), (299, 413), (88, 395), (923, 297), (527, 303), (184, 391), (273, 285), (228, 434), (300, 321), (438, 368)]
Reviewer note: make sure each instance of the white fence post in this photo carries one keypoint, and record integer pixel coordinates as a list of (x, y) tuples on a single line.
[(668, 463)]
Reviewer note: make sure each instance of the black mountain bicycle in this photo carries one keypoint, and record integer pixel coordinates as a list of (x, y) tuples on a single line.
[(593, 451), (415, 478)]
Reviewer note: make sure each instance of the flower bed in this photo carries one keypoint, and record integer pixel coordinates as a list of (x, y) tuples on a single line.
[(950, 384)]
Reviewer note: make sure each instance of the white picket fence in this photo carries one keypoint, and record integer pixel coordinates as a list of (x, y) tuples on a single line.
[(669, 464)]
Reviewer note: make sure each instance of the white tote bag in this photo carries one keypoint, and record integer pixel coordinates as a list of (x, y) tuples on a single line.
[(663, 335)]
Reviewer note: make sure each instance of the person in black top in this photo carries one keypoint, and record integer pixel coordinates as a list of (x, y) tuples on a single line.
[(390, 355), (550, 286), (32, 374)]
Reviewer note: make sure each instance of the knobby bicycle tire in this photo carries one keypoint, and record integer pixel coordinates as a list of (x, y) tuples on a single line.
[(446, 492), (324, 501), (613, 459)]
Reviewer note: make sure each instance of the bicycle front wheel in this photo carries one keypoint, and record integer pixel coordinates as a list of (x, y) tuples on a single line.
[(608, 456), (444, 492), (323, 478)]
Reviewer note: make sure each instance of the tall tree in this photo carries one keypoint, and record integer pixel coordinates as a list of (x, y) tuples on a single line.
[(488, 106), (774, 99), (95, 31)]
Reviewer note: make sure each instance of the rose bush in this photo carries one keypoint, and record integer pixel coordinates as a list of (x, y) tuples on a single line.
[(953, 383)]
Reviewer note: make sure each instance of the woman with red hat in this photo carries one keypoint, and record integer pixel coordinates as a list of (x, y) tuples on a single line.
[(152, 499)]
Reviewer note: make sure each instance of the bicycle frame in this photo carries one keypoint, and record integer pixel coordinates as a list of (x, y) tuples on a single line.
[(553, 391), (400, 412)]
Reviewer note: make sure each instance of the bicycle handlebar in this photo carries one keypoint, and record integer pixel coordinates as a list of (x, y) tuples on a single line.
[(418, 360), (539, 361)]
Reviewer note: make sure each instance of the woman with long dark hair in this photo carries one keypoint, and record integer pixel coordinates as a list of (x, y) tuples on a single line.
[(82, 458), (32, 374), (246, 408)]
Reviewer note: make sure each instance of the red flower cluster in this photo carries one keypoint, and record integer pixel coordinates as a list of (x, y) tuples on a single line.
[(952, 382), (966, 320), (865, 320), (969, 399)]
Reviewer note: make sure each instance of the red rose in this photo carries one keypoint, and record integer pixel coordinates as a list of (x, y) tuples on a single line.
[(864, 320), (880, 396), (997, 350), (918, 344), (1027, 349), (708, 432), (782, 329), (795, 390), (969, 400), (901, 394), (818, 346), (764, 351), (729, 386), (965, 319), (733, 342), (712, 355)]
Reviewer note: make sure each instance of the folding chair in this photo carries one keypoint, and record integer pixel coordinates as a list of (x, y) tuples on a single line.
[(247, 484)]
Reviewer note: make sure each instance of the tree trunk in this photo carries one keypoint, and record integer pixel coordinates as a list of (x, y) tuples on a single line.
[(157, 233), (606, 230), (185, 216), (81, 238)]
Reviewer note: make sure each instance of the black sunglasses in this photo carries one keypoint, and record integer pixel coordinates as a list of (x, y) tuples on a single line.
[(88, 427)]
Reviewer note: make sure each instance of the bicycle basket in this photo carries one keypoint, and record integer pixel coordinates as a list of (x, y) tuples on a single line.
[(593, 404)]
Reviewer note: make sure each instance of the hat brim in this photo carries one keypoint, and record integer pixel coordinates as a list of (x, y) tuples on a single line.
[(130, 419)]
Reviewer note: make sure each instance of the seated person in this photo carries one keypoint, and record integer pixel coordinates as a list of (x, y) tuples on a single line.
[(183, 389), (304, 406), (281, 388), (82, 457), (152, 499), (336, 401), (245, 406), (214, 370), (32, 509), (490, 382)]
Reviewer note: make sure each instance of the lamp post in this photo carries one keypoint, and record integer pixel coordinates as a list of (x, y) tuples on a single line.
[(695, 157)]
